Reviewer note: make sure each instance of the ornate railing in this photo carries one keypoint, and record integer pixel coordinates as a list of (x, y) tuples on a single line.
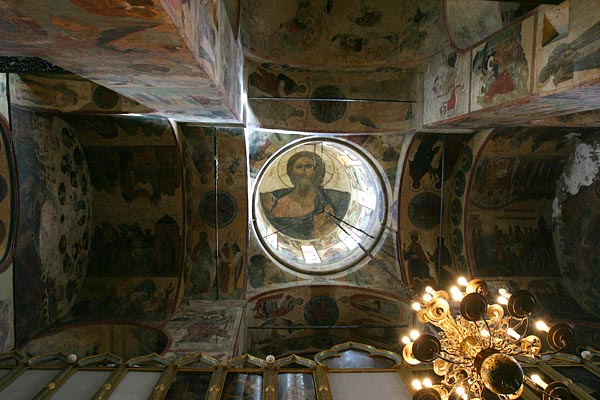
[(346, 371)]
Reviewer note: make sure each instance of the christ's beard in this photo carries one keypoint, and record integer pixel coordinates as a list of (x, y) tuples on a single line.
[(304, 184)]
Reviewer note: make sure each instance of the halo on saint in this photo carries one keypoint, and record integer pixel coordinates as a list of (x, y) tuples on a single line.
[(315, 148)]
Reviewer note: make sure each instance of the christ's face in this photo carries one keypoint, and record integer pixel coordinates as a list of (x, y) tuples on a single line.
[(304, 172)]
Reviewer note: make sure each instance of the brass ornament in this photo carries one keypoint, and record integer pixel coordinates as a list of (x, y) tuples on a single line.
[(437, 309), (426, 348), (473, 306), (521, 304), (477, 286), (560, 336)]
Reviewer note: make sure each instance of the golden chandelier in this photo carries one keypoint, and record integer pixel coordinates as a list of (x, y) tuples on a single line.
[(474, 352)]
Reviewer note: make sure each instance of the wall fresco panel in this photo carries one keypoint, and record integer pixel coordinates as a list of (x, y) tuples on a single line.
[(51, 255), (447, 86), (146, 300), (455, 205), (127, 341), (7, 226), (501, 67), (232, 185), (560, 302), (470, 23), (572, 57), (344, 33), (426, 256), (8, 201), (196, 21), (232, 8), (553, 110), (137, 241), (198, 151), (577, 120), (373, 101), (207, 28), (333, 116), (386, 83), (67, 93), (140, 42), (122, 131), (509, 221), (230, 61), (4, 96), (7, 316), (303, 308), (207, 327)]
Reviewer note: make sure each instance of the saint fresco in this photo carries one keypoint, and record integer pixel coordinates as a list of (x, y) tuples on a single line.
[(307, 209), (501, 67)]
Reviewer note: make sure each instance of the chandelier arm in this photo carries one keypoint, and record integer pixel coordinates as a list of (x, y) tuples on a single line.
[(536, 388), (526, 327), (520, 340), (518, 353), (455, 355), (489, 330), (518, 325), (547, 353), (446, 359)]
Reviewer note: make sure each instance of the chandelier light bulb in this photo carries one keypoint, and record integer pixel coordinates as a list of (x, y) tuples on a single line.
[(416, 384), (414, 334), (460, 390), (405, 339), (537, 379), (485, 333), (502, 300), (416, 306), (429, 289), (504, 293), (462, 281), (513, 334), (427, 297), (427, 382), (457, 295), (541, 325)]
